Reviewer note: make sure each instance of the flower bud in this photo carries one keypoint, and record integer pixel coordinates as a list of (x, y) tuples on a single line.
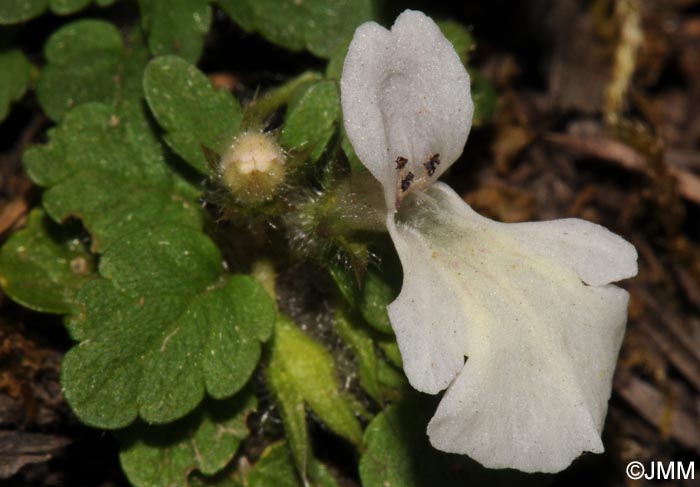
[(253, 167)]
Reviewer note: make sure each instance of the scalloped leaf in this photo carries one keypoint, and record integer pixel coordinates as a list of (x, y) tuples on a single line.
[(86, 61), (176, 26), (190, 110), (43, 265), (106, 167), (205, 440), (317, 25), (163, 326), (17, 11)]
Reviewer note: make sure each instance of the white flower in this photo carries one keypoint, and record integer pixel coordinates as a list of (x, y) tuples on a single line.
[(529, 305)]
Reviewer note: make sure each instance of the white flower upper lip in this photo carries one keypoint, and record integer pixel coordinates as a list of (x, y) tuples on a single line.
[(530, 305), (406, 103)]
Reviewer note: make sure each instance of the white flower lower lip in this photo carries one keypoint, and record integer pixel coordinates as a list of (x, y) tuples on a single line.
[(530, 305), (541, 344)]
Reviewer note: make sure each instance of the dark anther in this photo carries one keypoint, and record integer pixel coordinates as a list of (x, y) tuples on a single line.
[(401, 162), (406, 182), (432, 163)]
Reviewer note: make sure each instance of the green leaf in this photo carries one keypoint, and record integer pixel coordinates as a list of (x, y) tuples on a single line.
[(240, 11), (107, 167), (14, 79), (334, 69), (376, 295), (399, 454), (190, 110), (320, 26), (276, 468), (345, 281), (391, 350), (205, 440), (290, 401), (393, 381), (363, 347), (320, 476), (160, 328), (312, 118), (66, 7), (293, 412), (484, 96), (16, 11), (371, 298), (301, 371), (460, 37), (42, 266), (224, 479), (86, 61), (176, 26), (378, 378), (354, 162), (397, 450), (82, 60)]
